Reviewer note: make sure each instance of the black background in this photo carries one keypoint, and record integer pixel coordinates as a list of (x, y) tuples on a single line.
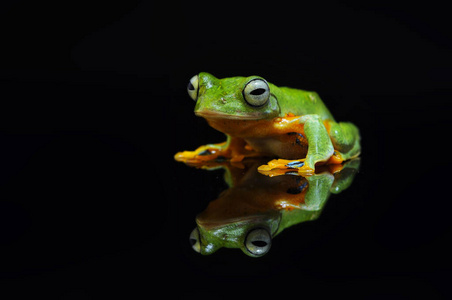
[(94, 106)]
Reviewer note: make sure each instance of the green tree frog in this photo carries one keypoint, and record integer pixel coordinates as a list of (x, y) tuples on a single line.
[(262, 119)]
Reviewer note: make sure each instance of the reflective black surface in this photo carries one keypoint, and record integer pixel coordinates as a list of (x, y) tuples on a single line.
[(94, 106), (259, 205)]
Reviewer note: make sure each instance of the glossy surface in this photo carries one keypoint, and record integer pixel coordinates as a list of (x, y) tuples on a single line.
[(257, 207)]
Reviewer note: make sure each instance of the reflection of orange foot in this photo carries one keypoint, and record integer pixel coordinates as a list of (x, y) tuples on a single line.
[(279, 166), (275, 172)]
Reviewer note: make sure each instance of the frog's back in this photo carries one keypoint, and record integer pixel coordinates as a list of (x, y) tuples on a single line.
[(300, 102)]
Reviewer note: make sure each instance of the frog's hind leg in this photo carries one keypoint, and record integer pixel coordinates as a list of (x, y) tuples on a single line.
[(346, 140)]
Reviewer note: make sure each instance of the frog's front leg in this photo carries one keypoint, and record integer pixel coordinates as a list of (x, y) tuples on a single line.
[(233, 149), (320, 148)]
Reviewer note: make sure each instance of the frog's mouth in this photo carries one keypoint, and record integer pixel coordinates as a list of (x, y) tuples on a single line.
[(217, 223), (218, 115)]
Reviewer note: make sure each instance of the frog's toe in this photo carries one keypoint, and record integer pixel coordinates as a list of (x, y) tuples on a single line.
[(195, 156), (184, 156)]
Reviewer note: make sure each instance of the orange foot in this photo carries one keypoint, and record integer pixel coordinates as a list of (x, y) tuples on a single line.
[(235, 152), (277, 166), (203, 154)]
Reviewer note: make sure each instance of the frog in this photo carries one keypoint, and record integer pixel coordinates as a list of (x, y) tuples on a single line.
[(257, 207), (260, 119)]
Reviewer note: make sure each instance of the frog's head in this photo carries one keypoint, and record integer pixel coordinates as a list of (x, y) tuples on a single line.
[(240, 98), (252, 235)]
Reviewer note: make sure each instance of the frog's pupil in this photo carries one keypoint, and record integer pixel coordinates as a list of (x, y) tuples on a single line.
[(259, 243), (191, 87), (257, 92), (192, 241)]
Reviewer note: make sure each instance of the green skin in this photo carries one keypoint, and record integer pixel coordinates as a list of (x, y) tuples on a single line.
[(217, 229), (224, 99)]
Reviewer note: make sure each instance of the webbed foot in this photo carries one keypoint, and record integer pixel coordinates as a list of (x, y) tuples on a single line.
[(280, 166), (233, 150), (203, 154), (285, 165)]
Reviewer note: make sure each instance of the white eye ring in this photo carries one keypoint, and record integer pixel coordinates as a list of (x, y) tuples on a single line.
[(195, 240), (258, 241), (256, 92), (192, 87)]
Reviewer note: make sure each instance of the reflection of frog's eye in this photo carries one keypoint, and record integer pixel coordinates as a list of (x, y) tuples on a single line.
[(192, 87), (258, 242), (256, 92), (195, 240)]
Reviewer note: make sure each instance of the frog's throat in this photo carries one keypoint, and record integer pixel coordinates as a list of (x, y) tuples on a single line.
[(218, 115)]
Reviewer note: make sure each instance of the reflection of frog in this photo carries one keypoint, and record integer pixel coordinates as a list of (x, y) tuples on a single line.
[(261, 119), (256, 208)]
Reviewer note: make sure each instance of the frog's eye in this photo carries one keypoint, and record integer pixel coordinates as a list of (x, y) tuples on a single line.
[(192, 87), (195, 240), (256, 92), (258, 242)]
